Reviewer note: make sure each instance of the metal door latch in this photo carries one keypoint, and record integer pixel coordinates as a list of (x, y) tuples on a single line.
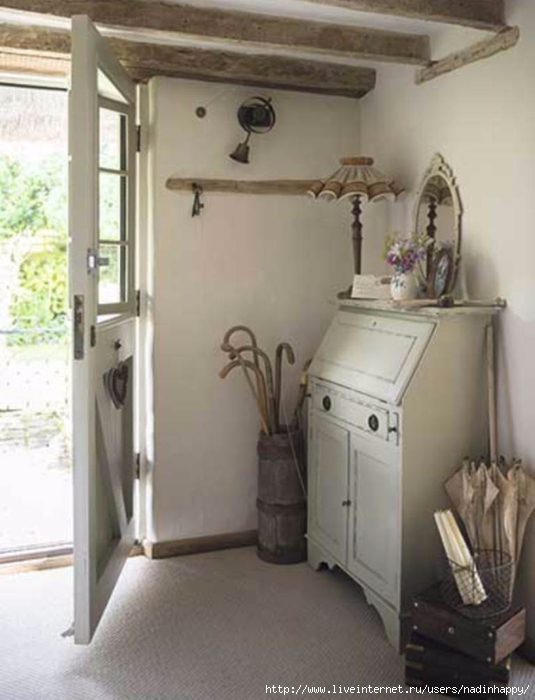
[(78, 318), (94, 261), (393, 427)]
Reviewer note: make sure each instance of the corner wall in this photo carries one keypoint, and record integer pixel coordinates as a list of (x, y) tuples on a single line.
[(273, 263), (482, 120)]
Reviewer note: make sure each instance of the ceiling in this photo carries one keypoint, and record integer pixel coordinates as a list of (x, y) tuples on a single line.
[(443, 38)]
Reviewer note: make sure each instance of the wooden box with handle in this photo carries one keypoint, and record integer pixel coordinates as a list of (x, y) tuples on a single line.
[(489, 640), (434, 665)]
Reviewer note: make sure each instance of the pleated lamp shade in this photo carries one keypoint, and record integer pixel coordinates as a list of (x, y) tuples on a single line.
[(356, 178), (359, 181)]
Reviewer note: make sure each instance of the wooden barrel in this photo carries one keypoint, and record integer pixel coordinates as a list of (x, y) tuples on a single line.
[(281, 500)]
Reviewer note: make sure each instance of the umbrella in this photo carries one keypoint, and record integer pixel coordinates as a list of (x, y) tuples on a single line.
[(505, 513), (486, 507), (525, 497), (495, 508), (461, 492)]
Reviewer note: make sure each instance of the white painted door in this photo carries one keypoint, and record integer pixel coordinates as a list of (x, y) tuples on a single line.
[(374, 516), (102, 135), (327, 495)]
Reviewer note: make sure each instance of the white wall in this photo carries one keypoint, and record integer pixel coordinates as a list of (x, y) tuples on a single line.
[(273, 263), (482, 119)]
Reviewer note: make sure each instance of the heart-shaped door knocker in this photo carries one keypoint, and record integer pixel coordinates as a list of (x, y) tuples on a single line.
[(116, 383)]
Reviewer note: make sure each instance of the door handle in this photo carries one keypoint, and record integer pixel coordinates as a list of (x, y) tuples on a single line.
[(94, 261)]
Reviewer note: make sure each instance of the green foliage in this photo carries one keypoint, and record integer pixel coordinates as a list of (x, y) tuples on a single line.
[(33, 216), (40, 303), (31, 199)]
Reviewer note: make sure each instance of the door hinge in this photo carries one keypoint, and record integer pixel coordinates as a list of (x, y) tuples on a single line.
[(138, 139), (138, 465), (93, 336), (138, 302)]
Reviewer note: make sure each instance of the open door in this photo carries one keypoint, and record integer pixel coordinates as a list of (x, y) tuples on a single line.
[(102, 142)]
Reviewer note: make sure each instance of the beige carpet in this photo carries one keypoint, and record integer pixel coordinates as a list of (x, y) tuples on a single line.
[(215, 626)]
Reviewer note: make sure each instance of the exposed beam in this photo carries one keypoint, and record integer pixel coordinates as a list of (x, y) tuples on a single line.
[(258, 31), (144, 61), (31, 64), (280, 187), (479, 14), (504, 40)]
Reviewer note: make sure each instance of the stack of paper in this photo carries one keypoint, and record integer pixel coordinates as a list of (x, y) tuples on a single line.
[(371, 287)]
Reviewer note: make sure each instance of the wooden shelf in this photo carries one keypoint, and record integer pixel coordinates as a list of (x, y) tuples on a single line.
[(273, 187), (427, 307)]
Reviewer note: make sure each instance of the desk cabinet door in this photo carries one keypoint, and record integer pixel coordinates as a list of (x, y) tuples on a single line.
[(328, 483), (374, 516)]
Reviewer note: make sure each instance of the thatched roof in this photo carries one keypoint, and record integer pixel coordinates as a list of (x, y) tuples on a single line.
[(32, 114)]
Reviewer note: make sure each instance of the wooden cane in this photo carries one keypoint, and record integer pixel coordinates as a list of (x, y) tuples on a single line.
[(261, 397)]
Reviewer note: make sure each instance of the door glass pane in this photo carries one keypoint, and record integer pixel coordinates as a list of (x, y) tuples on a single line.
[(112, 191), (108, 89), (112, 274), (112, 130)]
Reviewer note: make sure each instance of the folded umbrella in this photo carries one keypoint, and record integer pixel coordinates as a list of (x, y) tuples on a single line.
[(525, 496), (461, 492)]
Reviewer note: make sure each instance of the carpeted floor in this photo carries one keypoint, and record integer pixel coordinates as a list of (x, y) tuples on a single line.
[(218, 626)]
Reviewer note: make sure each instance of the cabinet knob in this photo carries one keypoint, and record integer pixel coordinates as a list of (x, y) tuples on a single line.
[(327, 403), (346, 503)]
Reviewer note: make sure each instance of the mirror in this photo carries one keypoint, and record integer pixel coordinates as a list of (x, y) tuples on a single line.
[(438, 211)]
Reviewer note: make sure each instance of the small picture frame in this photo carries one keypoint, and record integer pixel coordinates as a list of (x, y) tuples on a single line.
[(442, 274)]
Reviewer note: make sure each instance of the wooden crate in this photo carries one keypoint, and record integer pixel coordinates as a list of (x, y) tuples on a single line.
[(490, 640), (434, 665)]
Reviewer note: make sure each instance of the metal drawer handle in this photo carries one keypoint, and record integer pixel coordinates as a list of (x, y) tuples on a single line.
[(346, 503), (451, 630), (326, 403)]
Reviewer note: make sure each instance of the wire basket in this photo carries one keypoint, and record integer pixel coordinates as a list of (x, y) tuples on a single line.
[(492, 569)]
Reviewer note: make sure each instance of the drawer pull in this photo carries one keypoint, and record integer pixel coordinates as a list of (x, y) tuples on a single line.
[(451, 630), (326, 403), (373, 423), (346, 503)]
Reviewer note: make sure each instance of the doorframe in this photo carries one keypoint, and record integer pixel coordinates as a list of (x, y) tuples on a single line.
[(30, 553), (143, 413)]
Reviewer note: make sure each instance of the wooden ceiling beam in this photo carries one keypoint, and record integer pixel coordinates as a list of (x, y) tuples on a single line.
[(144, 61), (478, 14), (258, 31), (502, 41)]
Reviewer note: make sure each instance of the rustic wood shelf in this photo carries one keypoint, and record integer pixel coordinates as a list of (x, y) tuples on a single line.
[(273, 187)]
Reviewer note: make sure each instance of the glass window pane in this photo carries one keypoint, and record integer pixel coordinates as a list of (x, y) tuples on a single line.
[(108, 89), (112, 139), (112, 274), (112, 212)]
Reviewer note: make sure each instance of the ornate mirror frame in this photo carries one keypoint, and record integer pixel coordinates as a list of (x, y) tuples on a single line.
[(439, 167)]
